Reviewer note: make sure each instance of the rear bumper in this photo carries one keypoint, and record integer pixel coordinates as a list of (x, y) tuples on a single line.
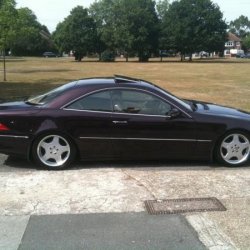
[(14, 145)]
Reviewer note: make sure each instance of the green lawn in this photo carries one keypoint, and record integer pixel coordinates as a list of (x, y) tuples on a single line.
[(223, 81)]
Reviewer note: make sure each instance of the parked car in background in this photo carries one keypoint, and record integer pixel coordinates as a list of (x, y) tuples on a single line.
[(204, 54), (247, 55), (243, 55), (49, 54), (167, 53), (121, 118)]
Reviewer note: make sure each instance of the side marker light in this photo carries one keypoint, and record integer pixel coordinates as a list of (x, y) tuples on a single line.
[(3, 127)]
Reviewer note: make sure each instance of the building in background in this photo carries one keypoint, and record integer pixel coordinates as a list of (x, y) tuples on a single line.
[(233, 45)]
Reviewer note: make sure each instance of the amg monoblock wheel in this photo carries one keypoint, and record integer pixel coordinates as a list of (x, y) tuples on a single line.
[(234, 149), (53, 151)]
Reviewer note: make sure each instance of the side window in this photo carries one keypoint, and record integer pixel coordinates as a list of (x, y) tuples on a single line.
[(137, 102), (100, 101)]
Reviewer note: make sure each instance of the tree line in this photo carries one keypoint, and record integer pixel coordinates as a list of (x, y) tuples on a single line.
[(21, 32), (126, 27), (241, 27), (142, 28)]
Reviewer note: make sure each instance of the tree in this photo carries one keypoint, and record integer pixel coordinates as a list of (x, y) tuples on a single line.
[(7, 27), (129, 26), (162, 8), (246, 43), (8, 15), (31, 40), (77, 32), (194, 25), (240, 26), (104, 15), (137, 27)]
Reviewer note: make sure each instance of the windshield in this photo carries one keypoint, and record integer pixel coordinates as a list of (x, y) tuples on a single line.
[(186, 104), (51, 95)]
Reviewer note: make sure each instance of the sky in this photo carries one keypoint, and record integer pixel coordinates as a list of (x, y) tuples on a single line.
[(51, 12)]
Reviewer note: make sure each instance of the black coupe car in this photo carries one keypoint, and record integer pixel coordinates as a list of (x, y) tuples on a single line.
[(121, 118)]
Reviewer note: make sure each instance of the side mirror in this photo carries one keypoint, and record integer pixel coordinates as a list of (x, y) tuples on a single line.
[(174, 112)]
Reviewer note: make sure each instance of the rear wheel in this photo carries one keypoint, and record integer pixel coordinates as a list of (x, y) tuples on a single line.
[(53, 151), (234, 149)]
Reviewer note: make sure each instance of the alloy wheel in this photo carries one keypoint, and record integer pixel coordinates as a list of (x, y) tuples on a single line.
[(235, 149), (53, 151)]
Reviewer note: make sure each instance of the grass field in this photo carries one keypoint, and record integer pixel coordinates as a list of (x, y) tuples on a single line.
[(223, 81)]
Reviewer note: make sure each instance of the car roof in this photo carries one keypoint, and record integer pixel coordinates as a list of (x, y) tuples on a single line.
[(77, 89), (88, 85)]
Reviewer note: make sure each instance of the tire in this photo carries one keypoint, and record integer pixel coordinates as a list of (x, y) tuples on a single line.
[(234, 149), (53, 151)]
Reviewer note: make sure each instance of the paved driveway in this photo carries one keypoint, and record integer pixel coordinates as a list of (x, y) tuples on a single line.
[(108, 188)]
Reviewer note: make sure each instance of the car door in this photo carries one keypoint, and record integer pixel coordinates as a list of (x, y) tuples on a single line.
[(88, 120), (144, 126)]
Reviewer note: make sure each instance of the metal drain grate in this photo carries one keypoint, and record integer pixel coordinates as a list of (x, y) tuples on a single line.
[(179, 206)]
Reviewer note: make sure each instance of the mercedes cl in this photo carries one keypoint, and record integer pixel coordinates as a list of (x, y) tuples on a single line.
[(121, 118)]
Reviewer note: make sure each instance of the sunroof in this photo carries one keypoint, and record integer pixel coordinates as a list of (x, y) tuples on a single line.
[(125, 79)]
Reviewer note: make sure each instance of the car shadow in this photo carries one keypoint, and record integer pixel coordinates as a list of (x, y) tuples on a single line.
[(13, 163), (165, 165)]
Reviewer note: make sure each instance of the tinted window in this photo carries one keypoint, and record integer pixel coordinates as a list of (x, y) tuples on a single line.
[(51, 95), (136, 102), (97, 102)]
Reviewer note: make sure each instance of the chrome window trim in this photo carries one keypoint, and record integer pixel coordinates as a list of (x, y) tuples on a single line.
[(15, 136), (122, 88), (143, 139), (106, 112)]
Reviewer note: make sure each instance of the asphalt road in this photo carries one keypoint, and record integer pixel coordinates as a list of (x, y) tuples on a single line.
[(123, 231)]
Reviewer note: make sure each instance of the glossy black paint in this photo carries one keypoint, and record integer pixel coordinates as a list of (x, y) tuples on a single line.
[(192, 134)]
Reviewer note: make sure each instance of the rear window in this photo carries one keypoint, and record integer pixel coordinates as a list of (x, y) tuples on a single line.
[(51, 95)]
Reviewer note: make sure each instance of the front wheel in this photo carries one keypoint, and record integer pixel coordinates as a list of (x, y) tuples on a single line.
[(53, 151), (234, 149)]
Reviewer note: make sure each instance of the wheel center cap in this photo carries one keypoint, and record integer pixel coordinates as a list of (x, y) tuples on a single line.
[(54, 151)]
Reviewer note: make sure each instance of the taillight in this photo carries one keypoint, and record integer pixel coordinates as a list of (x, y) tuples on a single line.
[(3, 127)]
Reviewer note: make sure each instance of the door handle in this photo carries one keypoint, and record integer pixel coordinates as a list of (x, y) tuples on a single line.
[(120, 122)]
